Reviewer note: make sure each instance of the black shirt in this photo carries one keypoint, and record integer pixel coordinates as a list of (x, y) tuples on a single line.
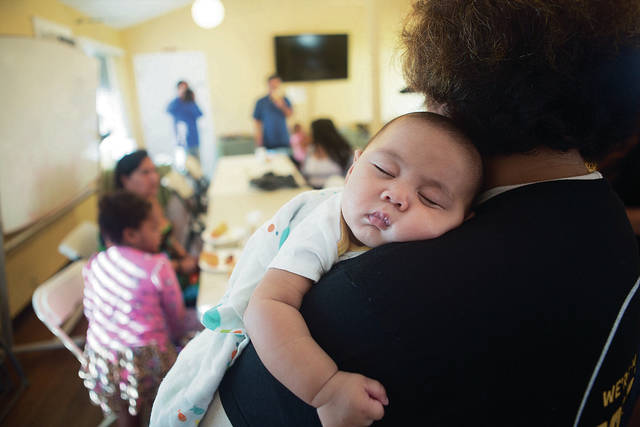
[(502, 321)]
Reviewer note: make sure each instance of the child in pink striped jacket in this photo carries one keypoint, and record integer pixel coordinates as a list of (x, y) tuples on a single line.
[(135, 309)]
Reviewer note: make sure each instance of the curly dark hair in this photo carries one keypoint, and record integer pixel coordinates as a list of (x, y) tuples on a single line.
[(523, 74), (325, 135), (119, 210)]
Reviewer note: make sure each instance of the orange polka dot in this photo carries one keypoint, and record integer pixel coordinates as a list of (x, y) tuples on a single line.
[(181, 416), (271, 228)]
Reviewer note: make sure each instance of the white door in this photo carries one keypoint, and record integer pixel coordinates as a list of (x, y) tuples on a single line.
[(156, 77)]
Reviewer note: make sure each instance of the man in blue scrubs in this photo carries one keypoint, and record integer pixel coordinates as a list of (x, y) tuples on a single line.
[(270, 114)]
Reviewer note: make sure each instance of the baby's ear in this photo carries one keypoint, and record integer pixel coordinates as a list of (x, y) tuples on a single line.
[(356, 156)]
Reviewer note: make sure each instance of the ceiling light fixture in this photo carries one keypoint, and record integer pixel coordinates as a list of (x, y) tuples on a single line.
[(207, 13)]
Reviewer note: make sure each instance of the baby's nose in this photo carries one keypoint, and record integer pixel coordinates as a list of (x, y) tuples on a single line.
[(396, 199)]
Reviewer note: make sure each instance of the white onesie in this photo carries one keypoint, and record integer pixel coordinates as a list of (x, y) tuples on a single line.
[(307, 236)]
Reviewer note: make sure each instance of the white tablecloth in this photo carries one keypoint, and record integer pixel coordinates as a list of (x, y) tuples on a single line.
[(231, 198)]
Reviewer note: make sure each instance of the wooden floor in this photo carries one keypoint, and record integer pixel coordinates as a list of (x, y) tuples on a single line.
[(55, 395)]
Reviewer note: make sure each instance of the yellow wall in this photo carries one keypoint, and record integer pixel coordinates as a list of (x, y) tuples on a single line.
[(240, 55), (16, 15), (16, 19), (37, 259), (32, 262)]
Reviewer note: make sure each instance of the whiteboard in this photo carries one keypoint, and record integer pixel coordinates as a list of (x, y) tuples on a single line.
[(48, 128)]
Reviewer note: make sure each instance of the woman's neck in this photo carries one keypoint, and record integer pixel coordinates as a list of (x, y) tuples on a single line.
[(542, 165)]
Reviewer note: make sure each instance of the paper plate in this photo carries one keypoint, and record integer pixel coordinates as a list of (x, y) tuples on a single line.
[(218, 260), (233, 236)]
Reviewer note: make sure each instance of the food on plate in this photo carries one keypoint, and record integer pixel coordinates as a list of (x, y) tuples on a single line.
[(219, 230), (210, 258)]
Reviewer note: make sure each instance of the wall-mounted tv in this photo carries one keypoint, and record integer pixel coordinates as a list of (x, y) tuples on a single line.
[(308, 57)]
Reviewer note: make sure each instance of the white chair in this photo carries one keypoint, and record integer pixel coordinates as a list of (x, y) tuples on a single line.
[(81, 242), (192, 165), (58, 304)]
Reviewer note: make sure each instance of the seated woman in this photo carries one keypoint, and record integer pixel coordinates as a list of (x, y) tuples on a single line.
[(136, 173), (135, 310), (329, 154)]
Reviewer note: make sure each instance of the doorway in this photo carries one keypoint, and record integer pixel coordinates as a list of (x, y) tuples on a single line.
[(156, 77)]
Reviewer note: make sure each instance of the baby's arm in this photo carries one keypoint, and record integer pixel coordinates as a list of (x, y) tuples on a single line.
[(285, 346)]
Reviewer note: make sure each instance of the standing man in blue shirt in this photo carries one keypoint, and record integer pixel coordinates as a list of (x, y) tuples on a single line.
[(185, 112), (270, 114)]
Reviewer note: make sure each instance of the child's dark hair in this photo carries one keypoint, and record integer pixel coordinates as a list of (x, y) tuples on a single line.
[(128, 164), (119, 210)]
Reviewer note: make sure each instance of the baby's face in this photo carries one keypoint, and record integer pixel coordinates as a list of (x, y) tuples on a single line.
[(413, 182)]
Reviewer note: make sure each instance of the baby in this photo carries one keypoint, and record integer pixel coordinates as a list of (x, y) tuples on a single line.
[(415, 180)]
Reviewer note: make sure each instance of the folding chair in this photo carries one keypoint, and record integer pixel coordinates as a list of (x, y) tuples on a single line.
[(186, 214), (58, 304), (81, 242)]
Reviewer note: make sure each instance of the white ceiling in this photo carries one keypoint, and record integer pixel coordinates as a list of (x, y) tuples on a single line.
[(124, 13)]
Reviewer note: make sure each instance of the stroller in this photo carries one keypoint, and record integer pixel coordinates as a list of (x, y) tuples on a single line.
[(188, 205)]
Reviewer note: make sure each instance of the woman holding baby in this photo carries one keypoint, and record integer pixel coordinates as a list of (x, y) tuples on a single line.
[(528, 313)]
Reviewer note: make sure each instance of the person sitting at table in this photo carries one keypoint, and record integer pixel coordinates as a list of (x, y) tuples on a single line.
[(136, 172), (329, 154), (137, 318), (298, 141), (416, 179), (529, 313)]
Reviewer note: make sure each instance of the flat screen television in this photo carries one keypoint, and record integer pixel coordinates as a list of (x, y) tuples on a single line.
[(308, 57)]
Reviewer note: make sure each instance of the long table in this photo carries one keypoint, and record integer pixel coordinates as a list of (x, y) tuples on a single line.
[(231, 198)]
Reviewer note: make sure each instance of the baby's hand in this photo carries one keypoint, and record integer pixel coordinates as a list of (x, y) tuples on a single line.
[(350, 400)]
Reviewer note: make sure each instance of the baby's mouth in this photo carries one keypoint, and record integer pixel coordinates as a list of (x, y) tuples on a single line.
[(378, 219)]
